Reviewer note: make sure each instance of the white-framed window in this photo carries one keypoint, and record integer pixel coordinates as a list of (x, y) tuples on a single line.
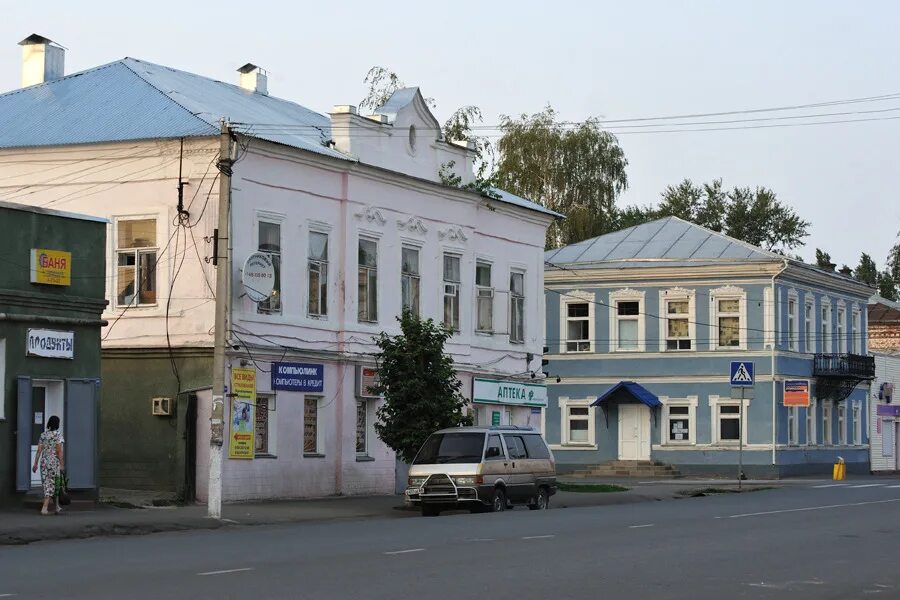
[(793, 414), (856, 340), (811, 423), (269, 242), (451, 282), (842, 423), (627, 321), (727, 426), (410, 278), (265, 413), (825, 326), (679, 420), (2, 379), (484, 297), (367, 281), (857, 422), (793, 332), (578, 422), (808, 327), (841, 329), (311, 443), (362, 427), (517, 307), (578, 327), (827, 429), (729, 314), (317, 274), (677, 329), (136, 252)]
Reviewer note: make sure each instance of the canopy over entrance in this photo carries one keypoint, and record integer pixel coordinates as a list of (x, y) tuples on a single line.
[(628, 391)]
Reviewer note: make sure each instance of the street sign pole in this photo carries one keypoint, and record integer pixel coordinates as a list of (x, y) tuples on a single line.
[(741, 443), (743, 377)]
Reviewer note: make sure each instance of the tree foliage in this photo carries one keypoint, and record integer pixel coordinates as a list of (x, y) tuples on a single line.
[(867, 270), (578, 171), (823, 260), (419, 384)]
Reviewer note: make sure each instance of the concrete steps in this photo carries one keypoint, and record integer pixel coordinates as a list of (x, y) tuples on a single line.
[(644, 469)]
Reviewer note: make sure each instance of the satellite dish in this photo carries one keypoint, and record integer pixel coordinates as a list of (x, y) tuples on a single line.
[(258, 276)]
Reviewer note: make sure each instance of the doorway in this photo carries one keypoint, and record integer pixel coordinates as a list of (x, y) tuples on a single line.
[(47, 400), (634, 432)]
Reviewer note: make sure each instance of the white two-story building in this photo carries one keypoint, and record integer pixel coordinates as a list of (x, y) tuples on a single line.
[(351, 212)]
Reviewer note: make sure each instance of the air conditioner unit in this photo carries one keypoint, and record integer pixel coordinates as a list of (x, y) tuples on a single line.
[(163, 407), (366, 377)]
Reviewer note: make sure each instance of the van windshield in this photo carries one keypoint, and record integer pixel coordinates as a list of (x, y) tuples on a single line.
[(442, 448)]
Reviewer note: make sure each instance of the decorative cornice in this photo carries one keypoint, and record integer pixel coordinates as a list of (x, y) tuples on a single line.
[(453, 234), (412, 225), (627, 293), (678, 292), (372, 215), (727, 290)]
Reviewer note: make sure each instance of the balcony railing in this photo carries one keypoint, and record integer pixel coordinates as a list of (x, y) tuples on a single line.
[(853, 366)]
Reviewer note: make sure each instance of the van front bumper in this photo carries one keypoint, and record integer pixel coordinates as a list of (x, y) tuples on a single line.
[(441, 489)]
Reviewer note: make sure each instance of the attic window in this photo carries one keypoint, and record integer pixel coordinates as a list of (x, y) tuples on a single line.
[(412, 138)]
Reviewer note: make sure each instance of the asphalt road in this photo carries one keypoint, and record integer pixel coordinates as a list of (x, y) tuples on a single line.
[(797, 542)]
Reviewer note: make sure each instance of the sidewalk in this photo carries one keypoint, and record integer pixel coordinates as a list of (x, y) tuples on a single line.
[(86, 519)]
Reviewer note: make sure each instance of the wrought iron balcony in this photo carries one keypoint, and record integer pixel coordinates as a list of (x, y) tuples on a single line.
[(845, 366)]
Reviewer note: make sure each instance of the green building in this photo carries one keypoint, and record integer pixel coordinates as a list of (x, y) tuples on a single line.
[(52, 295)]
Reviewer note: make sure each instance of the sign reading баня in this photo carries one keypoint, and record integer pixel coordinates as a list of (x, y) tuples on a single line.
[(51, 267), (495, 391)]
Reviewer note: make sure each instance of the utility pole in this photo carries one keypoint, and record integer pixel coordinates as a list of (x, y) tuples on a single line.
[(223, 301)]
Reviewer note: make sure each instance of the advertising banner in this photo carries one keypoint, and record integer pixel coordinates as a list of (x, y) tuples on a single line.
[(51, 267), (796, 392), (298, 377), (243, 401), (494, 391)]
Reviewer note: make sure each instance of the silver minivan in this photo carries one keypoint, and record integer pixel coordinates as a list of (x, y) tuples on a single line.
[(482, 468)]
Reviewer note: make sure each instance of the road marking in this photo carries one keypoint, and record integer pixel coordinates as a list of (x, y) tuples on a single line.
[(225, 571), (405, 551), (831, 485), (640, 526), (893, 486), (537, 537), (6, 595), (482, 540), (790, 510), (855, 487)]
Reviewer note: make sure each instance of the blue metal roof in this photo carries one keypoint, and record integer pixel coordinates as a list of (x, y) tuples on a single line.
[(630, 388)]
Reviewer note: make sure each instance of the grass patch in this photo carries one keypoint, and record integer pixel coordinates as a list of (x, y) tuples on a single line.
[(593, 488)]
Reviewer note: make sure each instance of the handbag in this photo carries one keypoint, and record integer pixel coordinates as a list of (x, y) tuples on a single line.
[(62, 489)]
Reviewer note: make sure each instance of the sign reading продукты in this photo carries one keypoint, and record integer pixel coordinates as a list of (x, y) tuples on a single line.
[(298, 377), (50, 344), (741, 373)]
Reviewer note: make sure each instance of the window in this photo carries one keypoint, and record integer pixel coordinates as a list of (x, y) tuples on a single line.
[(678, 335), (577, 418), (578, 327), (136, 262), (448, 448), (517, 307), (362, 408), (679, 423), (451, 291), (317, 267), (842, 424), (515, 447), (808, 328), (826, 423), (311, 425), (729, 322), (270, 244), (856, 341), (811, 423), (825, 331), (842, 330), (367, 297), (2, 379), (726, 420), (857, 423), (265, 442), (484, 297), (410, 279), (793, 339), (627, 315), (536, 447), (494, 443), (793, 425)]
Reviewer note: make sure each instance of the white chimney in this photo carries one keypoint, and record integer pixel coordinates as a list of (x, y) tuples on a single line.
[(254, 79), (42, 60)]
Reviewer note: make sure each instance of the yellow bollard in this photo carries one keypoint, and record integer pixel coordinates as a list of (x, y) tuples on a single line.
[(840, 470)]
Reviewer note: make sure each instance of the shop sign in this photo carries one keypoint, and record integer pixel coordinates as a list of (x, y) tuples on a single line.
[(888, 410), (298, 377), (243, 401), (50, 344), (494, 391), (51, 267), (495, 418), (796, 392), (258, 276)]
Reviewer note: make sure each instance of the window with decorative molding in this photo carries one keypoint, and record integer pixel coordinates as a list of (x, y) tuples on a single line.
[(484, 298), (452, 279), (578, 327), (793, 414), (793, 335), (827, 429), (269, 242), (825, 328), (367, 281), (857, 422), (265, 426), (577, 422), (808, 328), (136, 251), (841, 330), (410, 279), (842, 423), (517, 307), (727, 427), (811, 423), (678, 335), (679, 420), (729, 317), (856, 334), (627, 321), (317, 274)]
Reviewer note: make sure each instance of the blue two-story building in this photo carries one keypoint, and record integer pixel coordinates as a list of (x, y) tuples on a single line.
[(642, 326)]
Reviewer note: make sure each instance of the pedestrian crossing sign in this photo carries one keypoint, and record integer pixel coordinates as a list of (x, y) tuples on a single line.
[(741, 373)]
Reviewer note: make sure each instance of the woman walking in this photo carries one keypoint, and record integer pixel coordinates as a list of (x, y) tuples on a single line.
[(50, 456)]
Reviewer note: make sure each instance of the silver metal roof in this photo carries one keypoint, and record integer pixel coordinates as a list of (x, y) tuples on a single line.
[(668, 241), (511, 198)]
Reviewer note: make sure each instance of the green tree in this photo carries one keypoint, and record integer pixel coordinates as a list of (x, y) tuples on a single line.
[(419, 384), (867, 271), (577, 170), (823, 260), (887, 286)]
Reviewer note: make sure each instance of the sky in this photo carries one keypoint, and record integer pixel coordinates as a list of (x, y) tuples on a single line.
[(611, 60)]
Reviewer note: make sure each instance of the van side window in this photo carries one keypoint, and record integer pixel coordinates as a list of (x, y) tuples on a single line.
[(536, 447), (493, 451), (515, 446)]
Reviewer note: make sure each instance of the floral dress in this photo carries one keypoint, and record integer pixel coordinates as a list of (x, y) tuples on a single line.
[(50, 461)]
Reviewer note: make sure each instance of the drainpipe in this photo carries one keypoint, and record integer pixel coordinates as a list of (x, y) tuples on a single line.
[(772, 371)]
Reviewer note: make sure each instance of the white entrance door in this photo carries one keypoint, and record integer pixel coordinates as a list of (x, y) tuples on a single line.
[(634, 432), (46, 402)]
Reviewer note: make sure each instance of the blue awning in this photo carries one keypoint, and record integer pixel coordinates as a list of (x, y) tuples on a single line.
[(628, 390)]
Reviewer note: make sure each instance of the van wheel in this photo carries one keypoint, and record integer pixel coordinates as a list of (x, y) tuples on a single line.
[(499, 502), (430, 510), (542, 502)]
